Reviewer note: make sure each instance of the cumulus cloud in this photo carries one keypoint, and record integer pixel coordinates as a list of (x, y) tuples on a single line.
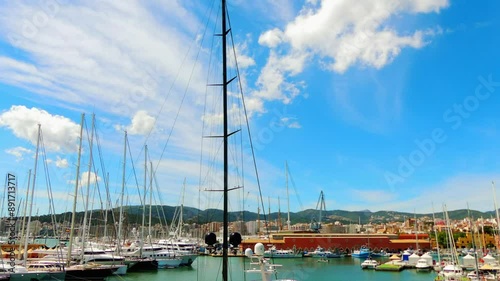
[(61, 162), (141, 124), (19, 152), (84, 179), (271, 38), (341, 34), (273, 83), (244, 60), (345, 33), (59, 133)]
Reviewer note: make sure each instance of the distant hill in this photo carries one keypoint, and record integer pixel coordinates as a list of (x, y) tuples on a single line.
[(194, 215)]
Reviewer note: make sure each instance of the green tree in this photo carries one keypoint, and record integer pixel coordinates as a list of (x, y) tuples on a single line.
[(457, 235), (442, 239), (488, 230)]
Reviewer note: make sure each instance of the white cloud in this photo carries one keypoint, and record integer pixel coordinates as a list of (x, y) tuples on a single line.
[(345, 32), (273, 84), (342, 34), (118, 58), (59, 133), (290, 122), (84, 179), (271, 38), (61, 162), (244, 60), (254, 105), (19, 152), (294, 125), (114, 56), (142, 123)]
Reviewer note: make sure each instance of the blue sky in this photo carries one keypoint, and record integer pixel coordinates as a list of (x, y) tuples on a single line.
[(387, 105)]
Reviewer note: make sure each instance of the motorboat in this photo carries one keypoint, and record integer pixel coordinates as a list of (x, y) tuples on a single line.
[(363, 252), (275, 253), (369, 264), (423, 265)]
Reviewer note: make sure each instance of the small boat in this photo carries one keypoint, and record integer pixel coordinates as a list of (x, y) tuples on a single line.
[(423, 265), (363, 252), (165, 258), (321, 253), (275, 253), (473, 276), (369, 264), (450, 272), (323, 260)]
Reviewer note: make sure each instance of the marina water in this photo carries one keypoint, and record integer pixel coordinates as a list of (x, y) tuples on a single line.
[(304, 269)]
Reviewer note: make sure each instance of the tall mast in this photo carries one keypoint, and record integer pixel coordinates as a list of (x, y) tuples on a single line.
[(482, 236), (107, 207), (436, 234), (25, 208), (150, 198), (279, 214), (416, 228), (178, 231), (495, 203), (268, 222), (474, 246), (322, 204), (84, 227), (144, 196), (258, 220), (122, 194), (31, 199), (226, 169), (72, 228), (287, 197), (225, 233)]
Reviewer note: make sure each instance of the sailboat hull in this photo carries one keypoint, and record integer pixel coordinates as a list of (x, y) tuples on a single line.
[(89, 273), (137, 265), (28, 276)]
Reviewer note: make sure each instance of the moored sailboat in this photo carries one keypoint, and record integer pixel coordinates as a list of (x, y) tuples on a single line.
[(83, 271), (265, 267), (24, 272)]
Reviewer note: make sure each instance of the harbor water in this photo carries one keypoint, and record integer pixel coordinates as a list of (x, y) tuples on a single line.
[(303, 269)]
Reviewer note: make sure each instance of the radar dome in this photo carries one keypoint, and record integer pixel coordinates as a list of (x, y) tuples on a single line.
[(248, 252), (259, 249)]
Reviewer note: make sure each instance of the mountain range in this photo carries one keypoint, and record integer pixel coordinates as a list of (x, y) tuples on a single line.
[(133, 214)]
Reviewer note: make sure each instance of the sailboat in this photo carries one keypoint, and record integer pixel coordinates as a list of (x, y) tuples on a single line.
[(27, 272), (451, 271), (83, 271), (263, 266), (178, 245), (154, 254)]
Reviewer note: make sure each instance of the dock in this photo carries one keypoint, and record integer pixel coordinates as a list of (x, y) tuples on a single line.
[(390, 266)]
